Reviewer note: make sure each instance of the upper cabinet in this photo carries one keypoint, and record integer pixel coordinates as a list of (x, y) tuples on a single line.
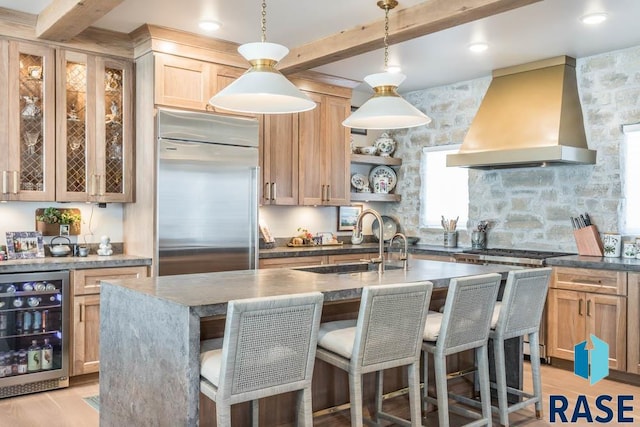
[(279, 146), (324, 152), (27, 80), (94, 129)]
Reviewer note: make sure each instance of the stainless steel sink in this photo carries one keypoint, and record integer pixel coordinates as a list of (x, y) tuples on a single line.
[(354, 267)]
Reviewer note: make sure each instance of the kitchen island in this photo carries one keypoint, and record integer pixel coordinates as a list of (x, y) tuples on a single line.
[(151, 330)]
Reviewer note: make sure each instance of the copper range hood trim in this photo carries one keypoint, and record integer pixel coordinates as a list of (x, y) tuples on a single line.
[(530, 116)]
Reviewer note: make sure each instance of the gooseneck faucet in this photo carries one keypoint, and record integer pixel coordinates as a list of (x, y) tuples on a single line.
[(380, 259), (403, 252)]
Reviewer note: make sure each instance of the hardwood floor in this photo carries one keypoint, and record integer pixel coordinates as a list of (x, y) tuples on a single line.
[(66, 407)]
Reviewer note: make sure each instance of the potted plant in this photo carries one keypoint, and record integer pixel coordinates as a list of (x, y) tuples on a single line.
[(49, 220)]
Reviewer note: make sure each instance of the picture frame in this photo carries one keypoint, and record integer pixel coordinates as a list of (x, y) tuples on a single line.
[(347, 217), (25, 244), (357, 131)]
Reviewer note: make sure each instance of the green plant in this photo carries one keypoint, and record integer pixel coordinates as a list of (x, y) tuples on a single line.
[(53, 215), (50, 215)]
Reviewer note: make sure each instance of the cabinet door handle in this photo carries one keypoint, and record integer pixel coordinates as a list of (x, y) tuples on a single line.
[(92, 192), (328, 193), (16, 182), (589, 307), (274, 191), (81, 313), (267, 191), (580, 307), (5, 182), (102, 184)]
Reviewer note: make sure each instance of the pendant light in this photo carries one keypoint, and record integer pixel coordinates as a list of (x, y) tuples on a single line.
[(386, 109), (262, 89)]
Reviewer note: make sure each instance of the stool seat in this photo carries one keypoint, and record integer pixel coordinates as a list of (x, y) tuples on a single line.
[(268, 348), (387, 334)]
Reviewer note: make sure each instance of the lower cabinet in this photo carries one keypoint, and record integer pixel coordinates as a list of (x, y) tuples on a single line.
[(633, 324), (85, 316), (300, 261), (574, 314)]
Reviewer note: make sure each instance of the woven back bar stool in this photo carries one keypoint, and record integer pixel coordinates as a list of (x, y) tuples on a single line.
[(464, 325), (387, 334), (268, 348)]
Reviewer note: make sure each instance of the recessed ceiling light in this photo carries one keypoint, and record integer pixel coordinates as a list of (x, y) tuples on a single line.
[(393, 69), (594, 18), (478, 47), (209, 25)]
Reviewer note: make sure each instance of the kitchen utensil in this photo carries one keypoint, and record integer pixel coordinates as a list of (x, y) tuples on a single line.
[(386, 171), (389, 228), (60, 250)]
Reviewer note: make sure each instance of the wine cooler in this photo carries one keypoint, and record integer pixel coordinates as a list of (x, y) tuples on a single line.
[(34, 329)]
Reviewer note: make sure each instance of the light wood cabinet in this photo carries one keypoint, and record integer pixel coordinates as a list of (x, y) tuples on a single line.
[(85, 321), (27, 111), (324, 152), (300, 261), (633, 324), (280, 159), (574, 312), (183, 82), (94, 129)]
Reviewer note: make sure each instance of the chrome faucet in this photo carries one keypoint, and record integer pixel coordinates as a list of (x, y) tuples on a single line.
[(380, 259), (403, 252)]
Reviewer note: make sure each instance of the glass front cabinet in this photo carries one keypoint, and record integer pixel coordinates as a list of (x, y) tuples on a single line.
[(28, 133), (94, 131)]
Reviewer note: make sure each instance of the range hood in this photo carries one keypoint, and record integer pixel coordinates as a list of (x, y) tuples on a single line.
[(530, 116)]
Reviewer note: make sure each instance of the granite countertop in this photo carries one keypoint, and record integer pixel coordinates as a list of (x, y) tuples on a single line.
[(294, 251), (208, 293), (71, 263), (601, 263)]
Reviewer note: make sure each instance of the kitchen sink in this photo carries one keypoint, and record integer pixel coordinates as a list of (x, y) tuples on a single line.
[(354, 267)]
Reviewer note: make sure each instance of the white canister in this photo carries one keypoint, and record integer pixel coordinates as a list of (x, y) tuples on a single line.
[(612, 245), (629, 250)]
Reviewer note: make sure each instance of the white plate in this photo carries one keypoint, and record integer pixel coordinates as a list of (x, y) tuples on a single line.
[(390, 228), (359, 181), (383, 171)]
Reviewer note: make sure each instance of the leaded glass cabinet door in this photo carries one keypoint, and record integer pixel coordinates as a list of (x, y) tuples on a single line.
[(76, 125), (113, 176), (31, 131)]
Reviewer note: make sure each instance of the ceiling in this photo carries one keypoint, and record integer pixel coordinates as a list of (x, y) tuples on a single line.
[(537, 31)]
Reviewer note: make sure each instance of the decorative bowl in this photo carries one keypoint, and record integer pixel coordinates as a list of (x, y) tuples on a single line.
[(369, 150), (385, 145)]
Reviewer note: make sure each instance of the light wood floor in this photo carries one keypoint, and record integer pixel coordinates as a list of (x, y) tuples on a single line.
[(66, 408)]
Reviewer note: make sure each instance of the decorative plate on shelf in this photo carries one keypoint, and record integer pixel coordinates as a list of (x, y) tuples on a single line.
[(389, 228), (359, 182), (386, 172)]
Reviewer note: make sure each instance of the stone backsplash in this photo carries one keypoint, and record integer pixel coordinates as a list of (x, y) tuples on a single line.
[(529, 207)]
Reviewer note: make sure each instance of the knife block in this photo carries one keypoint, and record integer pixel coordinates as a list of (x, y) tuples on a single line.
[(588, 241)]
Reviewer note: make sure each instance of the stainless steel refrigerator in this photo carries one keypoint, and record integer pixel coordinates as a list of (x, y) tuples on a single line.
[(207, 192)]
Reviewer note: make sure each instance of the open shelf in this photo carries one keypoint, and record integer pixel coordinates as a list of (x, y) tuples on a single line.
[(375, 160), (375, 197)]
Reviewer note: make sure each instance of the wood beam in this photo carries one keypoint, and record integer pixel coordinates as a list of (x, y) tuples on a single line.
[(64, 19), (404, 24)]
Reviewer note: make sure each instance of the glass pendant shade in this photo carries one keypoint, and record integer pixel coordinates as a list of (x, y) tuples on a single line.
[(262, 89), (386, 109)]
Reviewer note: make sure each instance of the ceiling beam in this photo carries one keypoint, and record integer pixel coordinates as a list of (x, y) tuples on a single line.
[(404, 24), (64, 19)]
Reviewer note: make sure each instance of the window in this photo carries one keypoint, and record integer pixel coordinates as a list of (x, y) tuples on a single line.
[(444, 191), (630, 178)]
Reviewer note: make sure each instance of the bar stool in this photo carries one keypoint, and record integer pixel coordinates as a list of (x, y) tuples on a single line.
[(464, 325), (268, 348), (387, 334), (520, 314)]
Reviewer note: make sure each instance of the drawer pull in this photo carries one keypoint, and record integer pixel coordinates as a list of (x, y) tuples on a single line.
[(81, 313)]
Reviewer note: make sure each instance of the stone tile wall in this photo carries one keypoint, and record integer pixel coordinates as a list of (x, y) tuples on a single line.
[(529, 207)]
